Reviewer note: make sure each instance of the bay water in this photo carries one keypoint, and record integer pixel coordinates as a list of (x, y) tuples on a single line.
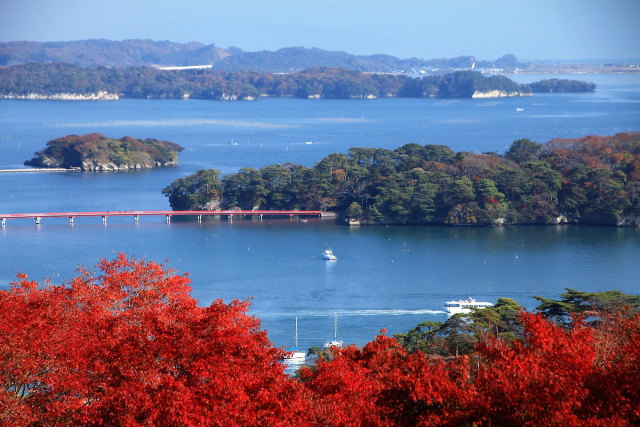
[(386, 277)]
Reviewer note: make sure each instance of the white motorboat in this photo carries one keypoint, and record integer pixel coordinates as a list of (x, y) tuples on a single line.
[(335, 342), (328, 255), (464, 306), (295, 356)]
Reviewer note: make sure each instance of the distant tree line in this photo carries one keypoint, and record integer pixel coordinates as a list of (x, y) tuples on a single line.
[(110, 53), (144, 82), (591, 180)]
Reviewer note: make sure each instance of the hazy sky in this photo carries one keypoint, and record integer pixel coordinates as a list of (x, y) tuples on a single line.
[(531, 29)]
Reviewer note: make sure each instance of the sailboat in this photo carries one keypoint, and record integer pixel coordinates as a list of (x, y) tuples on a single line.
[(335, 342), (295, 356)]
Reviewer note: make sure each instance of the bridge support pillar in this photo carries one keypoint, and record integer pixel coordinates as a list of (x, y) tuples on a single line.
[(70, 220), (104, 220), (260, 216), (168, 219), (38, 220), (199, 218), (4, 222), (136, 218)]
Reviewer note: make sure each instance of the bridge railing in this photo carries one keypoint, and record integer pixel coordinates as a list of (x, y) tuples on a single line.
[(168, 214)]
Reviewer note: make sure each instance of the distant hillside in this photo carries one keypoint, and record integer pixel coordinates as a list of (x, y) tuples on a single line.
[(134, 53), (95, 53), (293, 59)]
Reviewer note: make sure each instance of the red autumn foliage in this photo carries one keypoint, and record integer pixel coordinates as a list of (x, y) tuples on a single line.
[(130, 346), (383, 385), (611, 152), (551, 377), (539, 380)]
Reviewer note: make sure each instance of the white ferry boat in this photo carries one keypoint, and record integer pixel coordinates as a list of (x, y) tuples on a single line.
[(328, 255), (464, 306)]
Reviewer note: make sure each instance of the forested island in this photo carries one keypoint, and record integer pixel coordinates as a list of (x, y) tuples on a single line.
[(63, 81), (96, 152), (590, 180), (562, 86)]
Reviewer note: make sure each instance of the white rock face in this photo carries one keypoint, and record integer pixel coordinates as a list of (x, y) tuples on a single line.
[(629, 221), (228, 97), (98, 96), (212, 205), (562, 219), (498, 94), (94, 166)]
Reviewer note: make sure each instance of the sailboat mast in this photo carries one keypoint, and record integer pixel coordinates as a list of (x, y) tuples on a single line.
[(296, 332)]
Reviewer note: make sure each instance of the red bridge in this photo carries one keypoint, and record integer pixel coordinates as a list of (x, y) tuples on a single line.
[(168, 214)]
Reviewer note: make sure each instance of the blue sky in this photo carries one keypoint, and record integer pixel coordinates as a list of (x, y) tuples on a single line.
[(530, 29)]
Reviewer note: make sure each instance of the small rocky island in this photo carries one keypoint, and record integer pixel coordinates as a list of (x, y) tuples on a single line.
[(97, 152)]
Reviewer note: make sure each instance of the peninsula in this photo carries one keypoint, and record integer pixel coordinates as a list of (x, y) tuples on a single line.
[(96, 152)]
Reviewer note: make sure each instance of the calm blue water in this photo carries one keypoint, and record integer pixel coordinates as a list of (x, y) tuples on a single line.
[(386, 277)]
